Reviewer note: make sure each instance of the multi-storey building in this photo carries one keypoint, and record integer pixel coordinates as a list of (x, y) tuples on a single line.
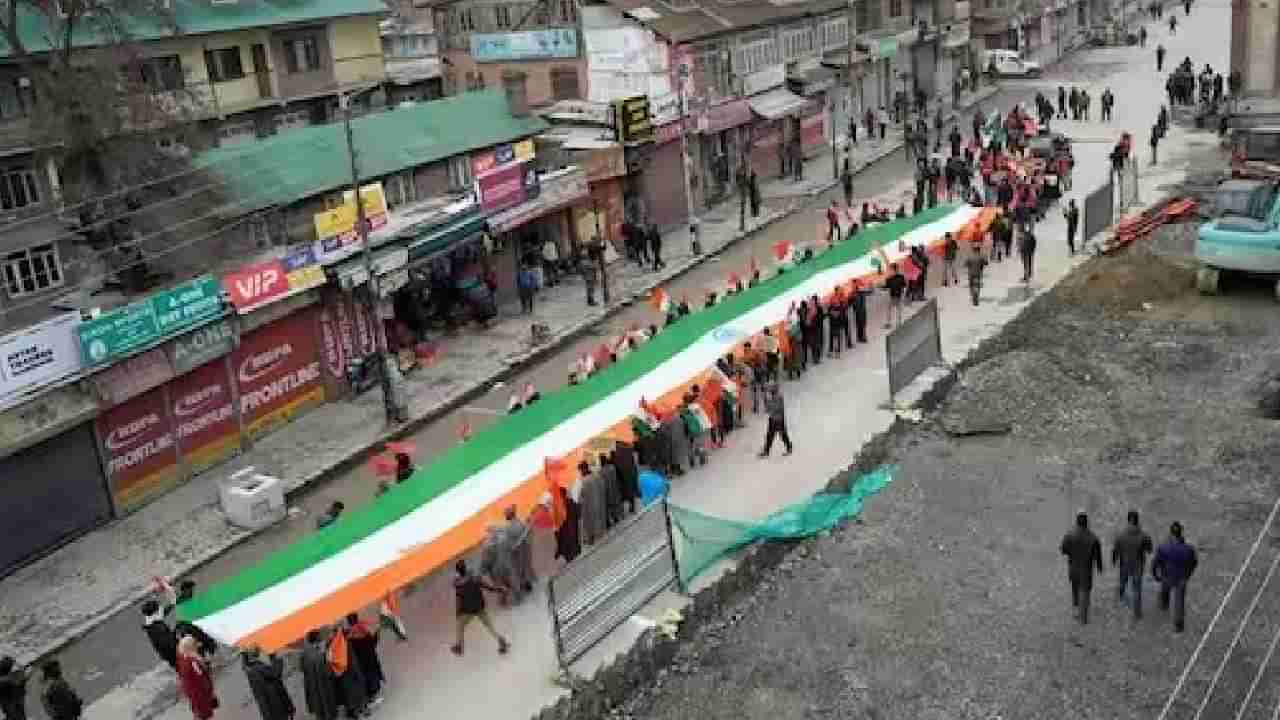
[(480, 39), (235, 69), (412, 52)]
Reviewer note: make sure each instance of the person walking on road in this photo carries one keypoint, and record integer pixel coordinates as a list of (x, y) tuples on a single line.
[(526, 285), (897, 287), (195, 679), (950, 253), (833, 222), (266, 682), (776, 408), (858, 303), (1173, 24), (163, 640), (846, 183), (469, 590), (1027, 251), (1174, 565), (1142, 36), (13, 689), (1072, 213), (1160, 51), (1062, 102), (655, 242), (975, 264), (59, 700), (1084, 557), (1129, 556), (1155, 143), (320, 685)]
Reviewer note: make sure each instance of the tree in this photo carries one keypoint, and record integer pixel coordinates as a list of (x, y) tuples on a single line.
[(100, 106)]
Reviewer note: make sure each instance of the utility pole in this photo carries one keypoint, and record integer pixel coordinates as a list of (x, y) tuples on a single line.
[(371, 303), (695, 244), (604, 275)]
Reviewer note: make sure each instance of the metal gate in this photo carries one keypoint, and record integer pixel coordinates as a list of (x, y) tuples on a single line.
[(913, 346), (1099, 209), (604, 586)]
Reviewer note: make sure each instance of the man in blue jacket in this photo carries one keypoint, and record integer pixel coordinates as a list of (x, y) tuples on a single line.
[(1174, 564)]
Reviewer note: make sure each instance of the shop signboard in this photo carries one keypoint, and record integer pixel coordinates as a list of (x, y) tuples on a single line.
[(263, 283), (557, 192), (336, 235), (136, 325), (332, 344), (393, 281), (277, 371), (204, 417), (138, 449), (504, 187), (527, 45), (210, 342), (633, 121), (132, 377), (505, 154), (364, 339), (38, 355)]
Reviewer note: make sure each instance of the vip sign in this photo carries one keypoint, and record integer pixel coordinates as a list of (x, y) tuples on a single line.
[(256, 284)]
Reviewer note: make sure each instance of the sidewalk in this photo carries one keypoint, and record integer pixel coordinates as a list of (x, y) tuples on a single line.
[(51, 602)]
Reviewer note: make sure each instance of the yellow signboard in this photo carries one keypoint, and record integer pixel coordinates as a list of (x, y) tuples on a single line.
[(337, 221), (524, 150), (374, 200)]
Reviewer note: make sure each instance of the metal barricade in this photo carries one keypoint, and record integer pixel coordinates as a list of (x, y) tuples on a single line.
[(913, 346), (608, 583)]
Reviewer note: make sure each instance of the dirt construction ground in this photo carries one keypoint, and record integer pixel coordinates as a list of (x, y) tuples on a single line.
[(1121, 389)]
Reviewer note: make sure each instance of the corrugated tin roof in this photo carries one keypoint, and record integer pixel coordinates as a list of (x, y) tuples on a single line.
[(713, 17), (192, 17), (308, 161)]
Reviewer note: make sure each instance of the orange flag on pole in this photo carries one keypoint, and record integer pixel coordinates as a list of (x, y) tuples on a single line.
[(555, 470), (337, 653)]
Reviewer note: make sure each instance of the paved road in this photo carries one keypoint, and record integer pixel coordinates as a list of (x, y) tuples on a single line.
[(115, 662)]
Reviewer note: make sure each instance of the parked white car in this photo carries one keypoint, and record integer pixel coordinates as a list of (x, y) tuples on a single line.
[(1009, 64)]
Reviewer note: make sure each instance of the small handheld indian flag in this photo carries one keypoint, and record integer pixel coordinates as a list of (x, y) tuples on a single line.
[(783, 251), (645, 420), (881, 260), (389, 616), (464, 430), (696, 419), (661, 301), (337, 653), (727, 384)]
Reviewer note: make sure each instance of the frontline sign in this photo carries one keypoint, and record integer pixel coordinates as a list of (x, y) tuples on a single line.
[(278, 371), (138, 449)]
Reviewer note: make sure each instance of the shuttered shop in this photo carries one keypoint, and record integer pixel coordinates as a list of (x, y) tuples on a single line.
[(138, 449), (662, 182), (277, 369), (204, 416)]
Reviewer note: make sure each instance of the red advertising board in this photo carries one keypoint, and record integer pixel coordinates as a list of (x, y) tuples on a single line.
[(811, 130), (364, 337), (256, 284), (333, 346), (204, 416), (277, 369), (138, 449), (502, 188)]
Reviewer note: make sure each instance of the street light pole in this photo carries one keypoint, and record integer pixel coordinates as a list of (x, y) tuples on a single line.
[(362, 227), (604, 275)]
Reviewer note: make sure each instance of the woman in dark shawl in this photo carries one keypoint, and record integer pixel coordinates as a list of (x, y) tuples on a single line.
[(266, 680)]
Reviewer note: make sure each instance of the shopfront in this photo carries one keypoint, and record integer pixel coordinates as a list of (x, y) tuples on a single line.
[(776, 136), (547, 215), (606, 169), (661, 178), (55, 488), (445, 255), (722, 138), (828, 108)]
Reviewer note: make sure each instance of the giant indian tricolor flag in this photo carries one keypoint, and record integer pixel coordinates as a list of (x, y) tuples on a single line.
[(441, 512)]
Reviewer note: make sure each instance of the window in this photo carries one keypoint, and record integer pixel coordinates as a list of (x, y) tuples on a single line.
[(459, 172), (757, 55), (834, 33), (159, 74), (32, 270), (797, 43), (18, 189), (302, 54), (895, 8), (568, 12), (17, 98), (502, 16), (223, 65), (399, 189), (862, 16), (564, 84), (466, 22)]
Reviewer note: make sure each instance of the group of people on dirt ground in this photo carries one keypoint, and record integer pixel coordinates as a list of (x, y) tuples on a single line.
[(1174, 563)]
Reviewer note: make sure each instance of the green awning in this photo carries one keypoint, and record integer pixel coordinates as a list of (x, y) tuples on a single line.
[(442, 237)]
